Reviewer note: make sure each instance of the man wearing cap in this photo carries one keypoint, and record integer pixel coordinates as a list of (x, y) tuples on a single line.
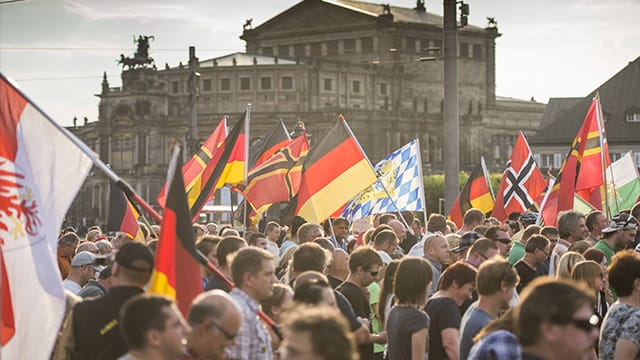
[(618, 235), (83, 269), (466, 240), (95, 321)]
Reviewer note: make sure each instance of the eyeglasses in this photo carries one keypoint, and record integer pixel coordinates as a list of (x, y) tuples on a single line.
[(505, 241), (586, 325), (229, 336)]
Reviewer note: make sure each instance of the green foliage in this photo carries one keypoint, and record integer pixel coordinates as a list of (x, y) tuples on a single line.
[(434, 188)]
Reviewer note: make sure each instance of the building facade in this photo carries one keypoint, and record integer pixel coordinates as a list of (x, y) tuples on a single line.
[(380, 66)]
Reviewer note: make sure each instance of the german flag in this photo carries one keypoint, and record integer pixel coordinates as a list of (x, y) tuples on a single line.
[(333, 173), (193, 170), (265, 149), (176, 273), (581, 171), (123, 217), (226, 168), (278, 178), (474, 194)]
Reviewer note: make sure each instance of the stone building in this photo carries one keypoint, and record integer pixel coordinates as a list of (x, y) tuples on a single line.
[(380, 66)]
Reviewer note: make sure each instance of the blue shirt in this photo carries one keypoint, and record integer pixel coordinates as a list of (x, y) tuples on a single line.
[(499, 345), (478, 318)]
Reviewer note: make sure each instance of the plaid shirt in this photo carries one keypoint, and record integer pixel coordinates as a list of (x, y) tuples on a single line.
[(253, 341), (499, 345)]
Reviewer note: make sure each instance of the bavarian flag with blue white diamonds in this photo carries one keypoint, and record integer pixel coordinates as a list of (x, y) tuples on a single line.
[(401, 174)]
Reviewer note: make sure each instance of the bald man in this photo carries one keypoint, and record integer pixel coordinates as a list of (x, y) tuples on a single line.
[(215, 320)]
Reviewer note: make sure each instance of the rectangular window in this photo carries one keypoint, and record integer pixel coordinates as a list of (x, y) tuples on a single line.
[(411, 45), (332, 47), (225, 84), (283, 50), (383, 88), (265, 83), (477, 52), (206, 85), (174, 87), (328, 84), (287, 82), (268, 50), (245, 83), (636, 156), (299, 50), (316, 49), (557, 161), (349, 46), (356, 86), (367, 44), (438, 44), (464, 50)]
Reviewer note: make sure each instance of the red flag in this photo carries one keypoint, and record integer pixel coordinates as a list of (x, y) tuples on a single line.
[(194, 170), (41, 171), (582, 169), (263, 150), (521, 182), (278, 178), (176, 273)]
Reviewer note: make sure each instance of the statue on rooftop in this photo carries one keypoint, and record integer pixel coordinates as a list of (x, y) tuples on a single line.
[(141, 58)]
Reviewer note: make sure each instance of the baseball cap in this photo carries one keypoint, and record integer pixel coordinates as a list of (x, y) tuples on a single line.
[(86, 258), (135, 256), (529, 217), (466, 240), (621, 221)]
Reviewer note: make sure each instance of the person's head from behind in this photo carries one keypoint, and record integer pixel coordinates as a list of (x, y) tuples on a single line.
[(253, 271), (318, 333), (624, 273), (278, 302), (227, 247), (497, 280), (215, 321), (312, 288), (437, 223), (459, 281), (310, 257), (566, 264), (557, 315), (412, 279), (365, 265), (472, 218), (133, 265), (153, 325)]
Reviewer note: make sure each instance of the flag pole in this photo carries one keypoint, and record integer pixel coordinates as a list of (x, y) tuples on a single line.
[(486, 176), (247, 123), (424, 200), (344, 122), (601, 130)]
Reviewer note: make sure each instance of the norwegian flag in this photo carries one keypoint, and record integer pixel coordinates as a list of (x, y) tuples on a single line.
[(521, 182), (41, 171)]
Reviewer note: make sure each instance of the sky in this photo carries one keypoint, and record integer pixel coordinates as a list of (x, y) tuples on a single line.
[(57, 50)]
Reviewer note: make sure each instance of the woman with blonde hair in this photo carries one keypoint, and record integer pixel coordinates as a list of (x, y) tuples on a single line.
[(590, 273), (566, 264)]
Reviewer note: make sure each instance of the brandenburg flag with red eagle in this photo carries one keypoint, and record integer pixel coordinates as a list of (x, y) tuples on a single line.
[(41, 171), (521, 182)]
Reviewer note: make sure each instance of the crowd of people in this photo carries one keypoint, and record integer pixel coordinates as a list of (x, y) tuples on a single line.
[(399, 290)]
